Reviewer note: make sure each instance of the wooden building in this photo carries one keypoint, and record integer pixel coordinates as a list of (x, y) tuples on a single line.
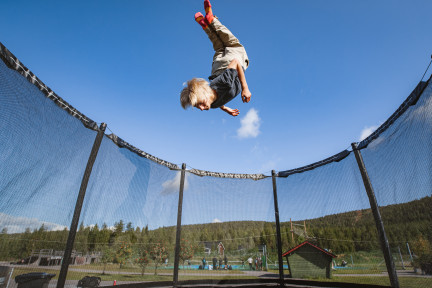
[(308, 260)]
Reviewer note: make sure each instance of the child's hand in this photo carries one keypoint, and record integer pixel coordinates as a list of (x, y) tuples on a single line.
[(232, 112), (246, 95)]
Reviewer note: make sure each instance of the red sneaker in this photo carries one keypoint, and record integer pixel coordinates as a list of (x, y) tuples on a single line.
[(200, 19)]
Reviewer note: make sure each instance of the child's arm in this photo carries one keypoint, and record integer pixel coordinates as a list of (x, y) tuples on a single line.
[(246, 94), (233, 112)]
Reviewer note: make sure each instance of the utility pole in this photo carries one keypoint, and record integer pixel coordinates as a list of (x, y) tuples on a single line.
[(292, 232), (304, 225)]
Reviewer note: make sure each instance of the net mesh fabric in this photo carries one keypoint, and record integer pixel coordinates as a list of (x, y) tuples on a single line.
[(128, 220), (399, 164), (227, 221), (329, 208), (38, 191), (130, 210)]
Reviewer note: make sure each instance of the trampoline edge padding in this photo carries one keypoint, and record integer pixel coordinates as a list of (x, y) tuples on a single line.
[(254, 283)]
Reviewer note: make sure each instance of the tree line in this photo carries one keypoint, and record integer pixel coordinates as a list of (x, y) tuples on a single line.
[(342, 233)]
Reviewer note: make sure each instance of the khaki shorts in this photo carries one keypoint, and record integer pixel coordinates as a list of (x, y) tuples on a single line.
[(226, 46)]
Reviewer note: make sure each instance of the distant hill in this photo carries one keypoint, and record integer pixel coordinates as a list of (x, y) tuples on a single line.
[(342, 233), (356, 230)]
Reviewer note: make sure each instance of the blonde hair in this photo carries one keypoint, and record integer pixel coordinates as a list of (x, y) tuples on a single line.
[(195, 90)]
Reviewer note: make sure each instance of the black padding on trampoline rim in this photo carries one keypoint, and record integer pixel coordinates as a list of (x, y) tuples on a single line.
[(225, 283), (411, 100), (13, 63), (335, 158)]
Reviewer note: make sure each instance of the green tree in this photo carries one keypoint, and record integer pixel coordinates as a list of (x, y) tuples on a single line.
[(81, 239), (130, 232), (4, 244), (102, 238), (129, 227), (26, 244), (92, 237), (119, 227), (142, 259), (158, 254), (187, 251), (123, 253), (423, 250), (107, 257)]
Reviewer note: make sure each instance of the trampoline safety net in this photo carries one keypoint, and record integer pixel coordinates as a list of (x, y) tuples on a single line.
[(363, 216)]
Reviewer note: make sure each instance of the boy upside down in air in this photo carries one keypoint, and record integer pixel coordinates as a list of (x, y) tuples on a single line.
[(228, 69)]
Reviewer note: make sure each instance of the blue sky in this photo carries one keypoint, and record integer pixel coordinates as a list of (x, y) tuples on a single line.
[(320, 72), (44, 150)]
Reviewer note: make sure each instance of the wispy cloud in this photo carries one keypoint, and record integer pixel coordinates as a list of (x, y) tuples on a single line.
[(19, 224), (216, 220), (367, 131), (173, 185), (250, 125)]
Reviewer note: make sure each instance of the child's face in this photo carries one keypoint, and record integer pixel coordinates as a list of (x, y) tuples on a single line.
[(203, 104)]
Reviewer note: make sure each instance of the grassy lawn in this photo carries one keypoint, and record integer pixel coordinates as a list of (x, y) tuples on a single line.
[(405, 282), (149, 276), (110, 268), (74, 275), (356, 271)]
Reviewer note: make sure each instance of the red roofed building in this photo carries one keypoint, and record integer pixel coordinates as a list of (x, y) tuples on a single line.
[(308, 260)]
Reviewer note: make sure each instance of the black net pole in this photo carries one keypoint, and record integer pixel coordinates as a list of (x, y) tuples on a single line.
[(377, 216), (278, 232), (74, 225), (178, 232)]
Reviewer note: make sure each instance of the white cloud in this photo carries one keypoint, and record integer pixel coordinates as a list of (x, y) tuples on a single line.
[(19, 224), (216, 220), (173, 186), (250, 125), (367, 131)]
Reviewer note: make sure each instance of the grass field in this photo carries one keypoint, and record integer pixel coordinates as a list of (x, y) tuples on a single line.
[(404, 282), (130, 274), (77, 275)]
